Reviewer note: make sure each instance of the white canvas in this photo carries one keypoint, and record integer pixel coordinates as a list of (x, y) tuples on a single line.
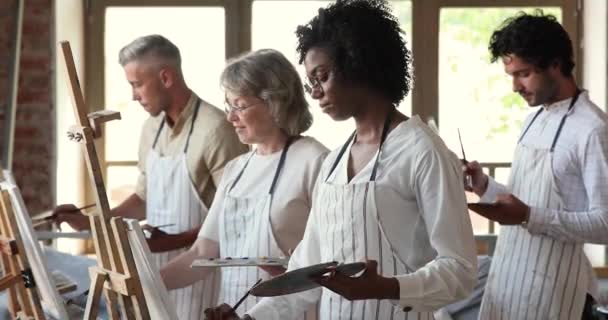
[(159, 304), (52, 302)]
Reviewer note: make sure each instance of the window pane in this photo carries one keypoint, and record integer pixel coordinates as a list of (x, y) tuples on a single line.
[(475, 95), (199, 34), (277, 31), (121, 183)]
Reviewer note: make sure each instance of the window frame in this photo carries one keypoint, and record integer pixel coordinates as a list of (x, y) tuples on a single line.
[(238, 19)]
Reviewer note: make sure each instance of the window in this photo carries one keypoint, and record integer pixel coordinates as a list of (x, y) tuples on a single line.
[(448, 39), (201, 67), (487, 113), (270, 30)]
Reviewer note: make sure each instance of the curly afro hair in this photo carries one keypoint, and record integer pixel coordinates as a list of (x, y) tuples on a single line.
[(365, 42), (536, 38)]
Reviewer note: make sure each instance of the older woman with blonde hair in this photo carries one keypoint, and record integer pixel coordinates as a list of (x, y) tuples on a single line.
[(261, 206)]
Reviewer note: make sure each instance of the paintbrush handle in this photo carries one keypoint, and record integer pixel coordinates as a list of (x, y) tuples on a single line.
[(236, 306), (87, 206)]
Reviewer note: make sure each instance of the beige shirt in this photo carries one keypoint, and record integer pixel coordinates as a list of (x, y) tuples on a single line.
[(213, 143)]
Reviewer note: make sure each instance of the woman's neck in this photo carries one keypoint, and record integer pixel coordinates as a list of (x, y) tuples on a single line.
[(370, 120), (271, 144)]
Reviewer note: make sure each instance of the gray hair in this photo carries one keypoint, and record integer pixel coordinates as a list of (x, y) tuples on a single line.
[(153, 45), (268, 75)]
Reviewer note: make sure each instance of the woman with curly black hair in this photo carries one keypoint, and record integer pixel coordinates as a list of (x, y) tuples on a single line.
[(391, 196), (555, 201)]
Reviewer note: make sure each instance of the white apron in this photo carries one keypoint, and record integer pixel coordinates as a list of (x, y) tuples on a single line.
[(246, 231), (352, 232), (172, 198), (536, 276)]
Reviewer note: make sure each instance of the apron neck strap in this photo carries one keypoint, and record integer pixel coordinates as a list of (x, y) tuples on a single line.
[(561, 124), (198, 105), (387, 123), (160, 128), (277, 172), (530, 124), (340, 154), (281, 164), (162, 125)]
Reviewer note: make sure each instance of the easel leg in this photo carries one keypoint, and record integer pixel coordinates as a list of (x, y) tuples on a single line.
[(112, 304), (90, 313), (13, 303)]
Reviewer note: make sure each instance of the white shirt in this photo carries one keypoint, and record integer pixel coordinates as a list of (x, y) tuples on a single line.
[(291, 201), (580, 168), (428, 224)]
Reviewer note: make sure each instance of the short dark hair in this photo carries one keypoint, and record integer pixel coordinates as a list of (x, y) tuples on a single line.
[(365, 42), (536, 38)]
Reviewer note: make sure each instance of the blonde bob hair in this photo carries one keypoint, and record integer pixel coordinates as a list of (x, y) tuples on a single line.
[(268, 75)]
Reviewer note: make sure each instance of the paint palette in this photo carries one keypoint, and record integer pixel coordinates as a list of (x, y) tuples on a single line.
[(302, 279), (240, 262)]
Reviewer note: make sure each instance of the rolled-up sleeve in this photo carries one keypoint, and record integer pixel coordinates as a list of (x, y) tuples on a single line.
[(493, 189)]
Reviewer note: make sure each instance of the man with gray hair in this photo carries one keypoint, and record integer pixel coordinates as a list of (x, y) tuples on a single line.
[(183, 148)]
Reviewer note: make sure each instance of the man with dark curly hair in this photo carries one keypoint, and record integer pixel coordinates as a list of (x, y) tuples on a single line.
[(556, 197), (390, 197)]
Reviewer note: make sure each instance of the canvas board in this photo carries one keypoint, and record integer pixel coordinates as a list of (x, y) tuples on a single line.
[(159, 303), (52, 302)]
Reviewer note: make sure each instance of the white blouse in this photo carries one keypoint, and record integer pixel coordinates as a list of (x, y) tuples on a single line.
[(291, 201), (425, 219)]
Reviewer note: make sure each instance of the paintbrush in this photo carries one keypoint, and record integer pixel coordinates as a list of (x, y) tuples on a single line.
[(236, 306), (468, 180), (49, 215)]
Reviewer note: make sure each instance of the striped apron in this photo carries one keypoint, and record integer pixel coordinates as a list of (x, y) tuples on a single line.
[(536, 276), (246, 231), (172, 198), (351, 231)]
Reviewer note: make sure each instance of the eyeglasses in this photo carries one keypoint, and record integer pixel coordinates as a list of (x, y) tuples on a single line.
[(314, 83), (311, 84), (236, 109)]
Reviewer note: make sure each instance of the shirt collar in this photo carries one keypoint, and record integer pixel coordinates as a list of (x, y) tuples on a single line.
[(562, 103), (178, 126)]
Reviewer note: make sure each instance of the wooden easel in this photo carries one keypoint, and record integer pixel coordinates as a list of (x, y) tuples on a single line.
[(116, 272), (18, 279)]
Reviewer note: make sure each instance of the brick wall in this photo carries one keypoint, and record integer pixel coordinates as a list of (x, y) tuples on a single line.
[(34, 148)]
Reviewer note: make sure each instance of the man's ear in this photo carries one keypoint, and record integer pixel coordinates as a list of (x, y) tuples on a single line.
[(556, 64), (167, 77)]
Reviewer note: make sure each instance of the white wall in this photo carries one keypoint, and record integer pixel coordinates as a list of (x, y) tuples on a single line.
[(595, 77), (595, 65)]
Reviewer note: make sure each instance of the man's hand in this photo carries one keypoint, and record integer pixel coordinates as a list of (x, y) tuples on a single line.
[(479, 180), (507, 210), (370, 285), (72, 215), (157, 238), (222, 312)]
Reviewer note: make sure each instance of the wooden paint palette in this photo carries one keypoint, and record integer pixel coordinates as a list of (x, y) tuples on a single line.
[(301, 279)]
